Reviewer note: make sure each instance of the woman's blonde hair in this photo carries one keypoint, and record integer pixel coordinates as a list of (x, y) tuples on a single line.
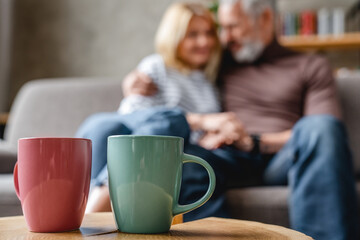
[(172, 30)]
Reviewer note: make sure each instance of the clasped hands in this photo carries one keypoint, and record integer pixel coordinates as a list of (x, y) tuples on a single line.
[(219, 128)]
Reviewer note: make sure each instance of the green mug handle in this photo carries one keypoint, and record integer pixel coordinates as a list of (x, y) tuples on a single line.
[(180, 209)]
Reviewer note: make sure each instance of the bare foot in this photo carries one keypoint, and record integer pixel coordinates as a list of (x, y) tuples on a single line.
[(99, 200)]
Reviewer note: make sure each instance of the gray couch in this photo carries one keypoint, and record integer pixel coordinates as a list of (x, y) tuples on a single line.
[(56, 107)]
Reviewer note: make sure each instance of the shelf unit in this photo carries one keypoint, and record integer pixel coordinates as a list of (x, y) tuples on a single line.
[(315, 42)]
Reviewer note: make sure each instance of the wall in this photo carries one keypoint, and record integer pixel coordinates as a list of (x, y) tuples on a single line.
[(5, 46), (80, 38)]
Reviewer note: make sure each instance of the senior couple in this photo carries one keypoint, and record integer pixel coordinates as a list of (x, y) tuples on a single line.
[(254, 110)]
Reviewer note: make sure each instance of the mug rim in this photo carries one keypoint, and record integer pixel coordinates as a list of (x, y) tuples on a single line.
[(54, 138), (144, 136)]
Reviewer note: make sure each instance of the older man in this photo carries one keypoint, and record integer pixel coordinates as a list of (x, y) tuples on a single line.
[(289, 127), (286, 120)]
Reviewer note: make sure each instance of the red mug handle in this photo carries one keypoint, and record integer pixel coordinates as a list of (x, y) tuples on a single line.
[(16, 181)]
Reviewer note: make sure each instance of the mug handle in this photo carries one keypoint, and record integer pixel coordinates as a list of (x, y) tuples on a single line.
[(180, 209), (16, 180)]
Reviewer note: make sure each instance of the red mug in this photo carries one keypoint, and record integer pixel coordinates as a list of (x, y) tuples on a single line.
[(52, 180)]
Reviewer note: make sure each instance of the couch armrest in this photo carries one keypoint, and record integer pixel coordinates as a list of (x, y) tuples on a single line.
[(349, 89), (8, 157)]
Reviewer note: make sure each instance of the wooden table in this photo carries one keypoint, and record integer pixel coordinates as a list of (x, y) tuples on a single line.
[(102, 226)]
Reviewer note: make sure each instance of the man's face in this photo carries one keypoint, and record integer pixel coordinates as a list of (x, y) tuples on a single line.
[(240, 33)]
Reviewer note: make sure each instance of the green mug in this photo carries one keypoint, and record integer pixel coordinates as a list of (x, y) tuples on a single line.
[(144, 181)]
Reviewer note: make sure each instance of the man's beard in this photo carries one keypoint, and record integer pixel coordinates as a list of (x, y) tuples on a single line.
[(249, 52)]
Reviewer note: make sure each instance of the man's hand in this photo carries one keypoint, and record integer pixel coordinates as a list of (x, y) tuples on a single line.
[(138, 83)]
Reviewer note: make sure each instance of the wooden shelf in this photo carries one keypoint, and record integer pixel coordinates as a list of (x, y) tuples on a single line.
[(3, 118), (345, 41)]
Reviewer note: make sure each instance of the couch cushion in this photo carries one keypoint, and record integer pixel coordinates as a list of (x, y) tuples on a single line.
[(263, 204)]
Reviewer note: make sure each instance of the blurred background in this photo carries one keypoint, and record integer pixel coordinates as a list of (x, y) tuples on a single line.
[(67, 38)]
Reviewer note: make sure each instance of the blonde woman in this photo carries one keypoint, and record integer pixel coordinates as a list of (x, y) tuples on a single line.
[(183, 71), (185, 65)]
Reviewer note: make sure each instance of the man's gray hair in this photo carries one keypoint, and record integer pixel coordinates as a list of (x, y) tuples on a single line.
[(253, 7)]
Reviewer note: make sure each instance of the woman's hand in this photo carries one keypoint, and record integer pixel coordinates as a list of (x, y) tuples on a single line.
[(138, 83)]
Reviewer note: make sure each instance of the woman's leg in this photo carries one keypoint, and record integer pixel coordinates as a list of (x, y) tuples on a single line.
[(97, 128), (153, 121), (99, 200)]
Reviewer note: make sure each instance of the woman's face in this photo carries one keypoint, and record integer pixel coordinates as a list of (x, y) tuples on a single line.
[(198, 44)]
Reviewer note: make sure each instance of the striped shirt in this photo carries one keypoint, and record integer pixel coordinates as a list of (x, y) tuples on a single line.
[(192, 92)]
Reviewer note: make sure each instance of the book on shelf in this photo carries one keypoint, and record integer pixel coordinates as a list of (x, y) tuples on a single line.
[(310, 22), (307, 23)]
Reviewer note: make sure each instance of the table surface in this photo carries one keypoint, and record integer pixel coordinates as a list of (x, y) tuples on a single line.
[(102, 226)]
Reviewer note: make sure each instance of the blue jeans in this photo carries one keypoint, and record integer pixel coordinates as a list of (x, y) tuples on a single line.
[(153, 121), (315, 163)]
